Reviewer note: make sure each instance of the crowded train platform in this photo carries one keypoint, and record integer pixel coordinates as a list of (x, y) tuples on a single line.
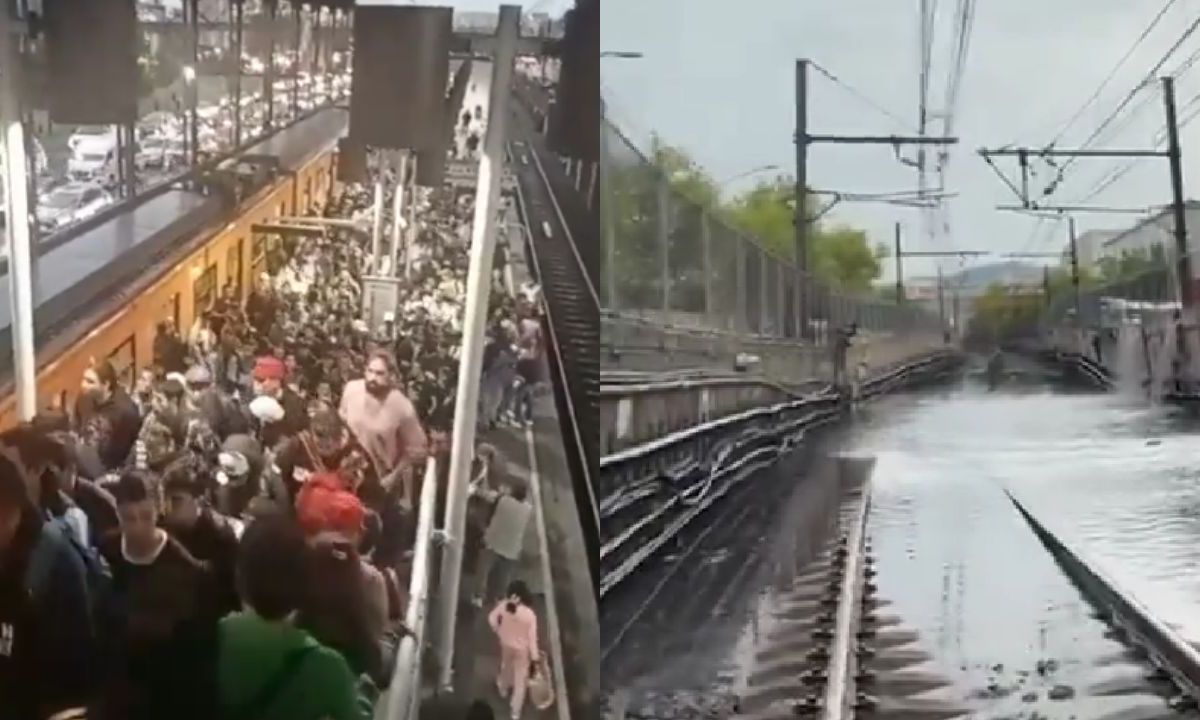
[(231, 534)]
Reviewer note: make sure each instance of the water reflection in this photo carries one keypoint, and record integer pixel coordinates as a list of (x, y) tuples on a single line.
[(1005, 629)]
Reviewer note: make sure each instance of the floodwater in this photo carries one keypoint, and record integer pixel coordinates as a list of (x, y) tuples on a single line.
[(1008, 633)]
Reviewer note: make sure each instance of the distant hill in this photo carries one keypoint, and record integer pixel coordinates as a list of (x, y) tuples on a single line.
[(1010, 272)]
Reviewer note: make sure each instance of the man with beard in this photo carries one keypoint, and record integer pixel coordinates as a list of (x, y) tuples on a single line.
[(108, 418), (385, 423)]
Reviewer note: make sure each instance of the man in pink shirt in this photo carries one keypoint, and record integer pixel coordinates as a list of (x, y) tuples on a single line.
[(385, 423)]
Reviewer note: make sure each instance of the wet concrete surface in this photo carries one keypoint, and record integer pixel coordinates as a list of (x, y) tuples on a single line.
[(975, 615)]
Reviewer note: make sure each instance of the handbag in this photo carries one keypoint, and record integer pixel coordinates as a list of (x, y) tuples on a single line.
[(539, 689)]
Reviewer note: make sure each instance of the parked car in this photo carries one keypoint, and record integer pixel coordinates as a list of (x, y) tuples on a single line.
[(158, 153), (69, 204)]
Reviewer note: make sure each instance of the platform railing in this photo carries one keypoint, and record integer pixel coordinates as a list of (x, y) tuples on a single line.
[(404, 696)]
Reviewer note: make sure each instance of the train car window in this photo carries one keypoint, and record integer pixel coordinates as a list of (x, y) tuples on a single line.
[(204, 291), (124, 361), (307, 193), (282, 210)]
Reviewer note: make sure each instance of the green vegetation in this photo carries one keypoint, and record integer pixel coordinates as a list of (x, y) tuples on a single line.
[(1001, 314), (839, 255)]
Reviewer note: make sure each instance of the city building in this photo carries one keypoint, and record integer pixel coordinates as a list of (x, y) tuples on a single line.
[(1157, 229)]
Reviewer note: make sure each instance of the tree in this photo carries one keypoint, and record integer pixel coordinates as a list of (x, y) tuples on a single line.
[(842, 256), (1001, 313), (687, 178), (1130, 264)]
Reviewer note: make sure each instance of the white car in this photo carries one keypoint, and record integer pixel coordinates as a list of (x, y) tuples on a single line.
[(158, 153), (70, 203), (93, 135)]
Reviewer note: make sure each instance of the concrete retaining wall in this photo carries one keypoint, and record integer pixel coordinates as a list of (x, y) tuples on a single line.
[(629, 417)]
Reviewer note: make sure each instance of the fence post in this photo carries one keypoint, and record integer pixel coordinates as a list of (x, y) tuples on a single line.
[(706, 265), (764, 264), (608, 219), (781, 276), (743, 322), (663, 234)]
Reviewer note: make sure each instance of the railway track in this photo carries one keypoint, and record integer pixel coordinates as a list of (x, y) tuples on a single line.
[(572, 323), (836, 654)]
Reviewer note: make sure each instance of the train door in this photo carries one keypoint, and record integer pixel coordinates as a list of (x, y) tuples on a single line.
[(260, 251), (233, 266), (124, 362), (171, 310), (204, 290)]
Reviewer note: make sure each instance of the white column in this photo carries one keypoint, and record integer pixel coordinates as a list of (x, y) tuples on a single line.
[(398, 208), (479, 280), (410, 234), (20, 253), (377, 224)]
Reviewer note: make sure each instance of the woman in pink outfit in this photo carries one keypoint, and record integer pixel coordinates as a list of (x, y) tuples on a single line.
[(516, 626)]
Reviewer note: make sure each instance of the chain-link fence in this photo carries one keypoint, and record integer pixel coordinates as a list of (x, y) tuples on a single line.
[(670, 261)]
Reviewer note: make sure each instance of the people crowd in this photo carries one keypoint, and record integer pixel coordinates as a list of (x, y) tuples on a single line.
[(229, 533)]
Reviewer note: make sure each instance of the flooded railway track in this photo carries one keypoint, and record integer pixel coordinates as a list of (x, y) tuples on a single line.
[(826, 640)]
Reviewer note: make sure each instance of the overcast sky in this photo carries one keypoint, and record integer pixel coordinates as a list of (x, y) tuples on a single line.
[(717, 79)]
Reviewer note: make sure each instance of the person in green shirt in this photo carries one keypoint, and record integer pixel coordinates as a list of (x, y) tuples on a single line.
[(268, 669)]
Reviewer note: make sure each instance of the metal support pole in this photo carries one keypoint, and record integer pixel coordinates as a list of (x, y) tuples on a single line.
[(801, 213), (663, 236), (398, 208), (705, 264), (742, 322), (1177, 209), (1074, 265), (479, 280), (131, 148), (20, 251), (899, 268), (119, 132), (268, 78), (780, 300), (608, 221), (764, 264), (377, 224), (237, 73), (296, 10), (192, 86), (941, 299), (410, 234)]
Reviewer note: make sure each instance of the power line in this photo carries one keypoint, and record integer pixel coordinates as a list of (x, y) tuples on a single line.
[(1113, 73), (1136, 89), (1145, 102), (855, 92)]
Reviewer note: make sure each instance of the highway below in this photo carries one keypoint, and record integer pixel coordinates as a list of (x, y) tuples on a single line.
[(979, 619)]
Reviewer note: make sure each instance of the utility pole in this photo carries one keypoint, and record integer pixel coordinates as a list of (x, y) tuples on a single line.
[(1046, 284), (941, 299), (1074, 265), (1175, 157), (899, 268), (800, 306), (803, 139)]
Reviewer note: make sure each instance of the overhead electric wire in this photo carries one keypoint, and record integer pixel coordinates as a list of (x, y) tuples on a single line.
[(1187, 33), (1145, 102), (857, 93), (1115, 69)]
